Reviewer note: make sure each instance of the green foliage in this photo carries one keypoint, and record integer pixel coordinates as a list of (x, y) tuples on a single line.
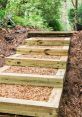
[(2, 13), (12, 7), (51, 12), (55, 24), (35, 22), (43, 14), (72, 15), (79, 12), (3, 3)]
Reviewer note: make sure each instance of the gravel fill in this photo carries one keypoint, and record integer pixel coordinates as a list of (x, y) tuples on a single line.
[(25, 92), (32, 70)]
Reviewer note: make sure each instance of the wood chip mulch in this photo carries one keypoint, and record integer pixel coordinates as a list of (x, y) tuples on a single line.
[(25, 92), (32, 70), (71, 103)]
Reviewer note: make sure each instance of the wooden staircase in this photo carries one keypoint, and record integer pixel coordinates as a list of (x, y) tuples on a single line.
[(47, 50)]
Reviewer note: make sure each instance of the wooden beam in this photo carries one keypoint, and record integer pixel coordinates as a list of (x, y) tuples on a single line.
[(49, 34), (38, 41), (31, 108), (60, 51), (32, 79), (49, 63)]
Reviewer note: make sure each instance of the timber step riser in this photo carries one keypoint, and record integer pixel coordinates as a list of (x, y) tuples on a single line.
[(35, 62), (39, 42), (50, 34), (32, 108), (55, 80), (51, 52)]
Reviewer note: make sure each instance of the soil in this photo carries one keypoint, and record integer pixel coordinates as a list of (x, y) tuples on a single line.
[(10, 39), (25, 92), (71, 102), (32, 70)]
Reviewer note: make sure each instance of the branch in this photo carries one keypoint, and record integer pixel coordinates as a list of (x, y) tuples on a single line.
[(76, 4), (73, 3)]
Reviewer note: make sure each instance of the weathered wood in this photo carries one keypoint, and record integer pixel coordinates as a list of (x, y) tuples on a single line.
[(63, 51), (51, 63), (32, 79), (32, 108), (49, 34), (38, 41)]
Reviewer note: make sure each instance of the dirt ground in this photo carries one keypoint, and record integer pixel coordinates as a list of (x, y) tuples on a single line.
[(10, 39), (71, 102)]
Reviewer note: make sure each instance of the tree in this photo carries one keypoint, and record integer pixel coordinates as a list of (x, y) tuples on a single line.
[(75, 5), (34, 13), (75, 14), (3, 3)]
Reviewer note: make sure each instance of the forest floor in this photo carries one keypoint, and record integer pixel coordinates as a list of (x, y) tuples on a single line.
[(71, 102)]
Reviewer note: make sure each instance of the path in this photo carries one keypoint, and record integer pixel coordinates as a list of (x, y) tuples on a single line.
[(40, 62)]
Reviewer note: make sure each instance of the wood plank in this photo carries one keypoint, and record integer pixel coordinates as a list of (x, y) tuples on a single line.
[(63, 51), (47, 41), (50, 38), (51, 63), (55, 97), (4, 68), (29, 107), (32, 79), (10, 78), (50, 34)]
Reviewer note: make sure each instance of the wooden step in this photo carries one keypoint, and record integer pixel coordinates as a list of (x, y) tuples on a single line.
[(53, 51), (39, 41), (42, 51), (32, 108), (50, 34), (32, 79), (20, 60)]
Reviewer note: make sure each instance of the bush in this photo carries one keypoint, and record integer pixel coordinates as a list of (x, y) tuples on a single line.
[(32, 21), (19, 20), (2, 13), (79, 14), (72, 16), (55, 24), (35, 13)]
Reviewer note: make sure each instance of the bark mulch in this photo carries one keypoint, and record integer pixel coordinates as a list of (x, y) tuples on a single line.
[(34, 93), (71, 102), (10, 39), (32, 70)]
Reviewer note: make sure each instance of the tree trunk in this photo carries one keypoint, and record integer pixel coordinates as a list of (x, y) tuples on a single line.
[(75, 4)]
